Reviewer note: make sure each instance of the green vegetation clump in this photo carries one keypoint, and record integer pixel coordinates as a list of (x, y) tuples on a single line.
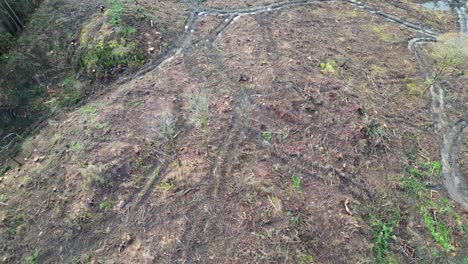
[(34, 258), (107, 44), (382, 228), (106, 205), (266, 135), (414, 187), (100, 58), (432, 212), (438, 229), (72, 93), (296, 182), (328, 67), (115, 12)]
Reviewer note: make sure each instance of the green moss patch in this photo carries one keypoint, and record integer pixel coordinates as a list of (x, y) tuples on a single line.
[(101, 57)]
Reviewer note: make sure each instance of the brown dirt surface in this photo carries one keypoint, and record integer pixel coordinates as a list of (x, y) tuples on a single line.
[(274, 137)]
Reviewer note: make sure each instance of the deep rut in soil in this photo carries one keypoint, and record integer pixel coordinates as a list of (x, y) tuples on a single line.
[(451, 135)]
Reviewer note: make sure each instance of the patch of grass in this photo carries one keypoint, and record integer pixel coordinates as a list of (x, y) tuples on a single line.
[(136, 104), (382, 230), (306, 259), (431, 211), (198, 104), (295, 219), (72, 93), (165, 186), (438, 229), (155, 174), (129, 30), (199, 108), (15, 222), (424, 170), (328, 67), (92, 175), (101, 57), (414, 187), (284, 137), (150, 183), (3, 198), (375, 130), (432, 167), (266, 135), (106, 205), (165, 128), (34, 258), (101, 125), (115, 12), (77, 146), (451, 55), (56, 139), (138, 164), (296, 182), (465, 260), (383, 35), (413, 89), (90, 111), (378, 69)]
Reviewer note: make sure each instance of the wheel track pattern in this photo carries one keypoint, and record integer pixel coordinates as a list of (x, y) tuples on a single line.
[(221, 167), (237, 130)]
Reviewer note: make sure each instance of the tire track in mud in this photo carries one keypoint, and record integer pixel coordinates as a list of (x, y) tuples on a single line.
[(393, 18), (258, 9), (237, 131), (202, 221), (450, 135), (451, 139)]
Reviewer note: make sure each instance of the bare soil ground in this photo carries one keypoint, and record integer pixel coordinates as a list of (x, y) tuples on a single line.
[(281, 136)]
